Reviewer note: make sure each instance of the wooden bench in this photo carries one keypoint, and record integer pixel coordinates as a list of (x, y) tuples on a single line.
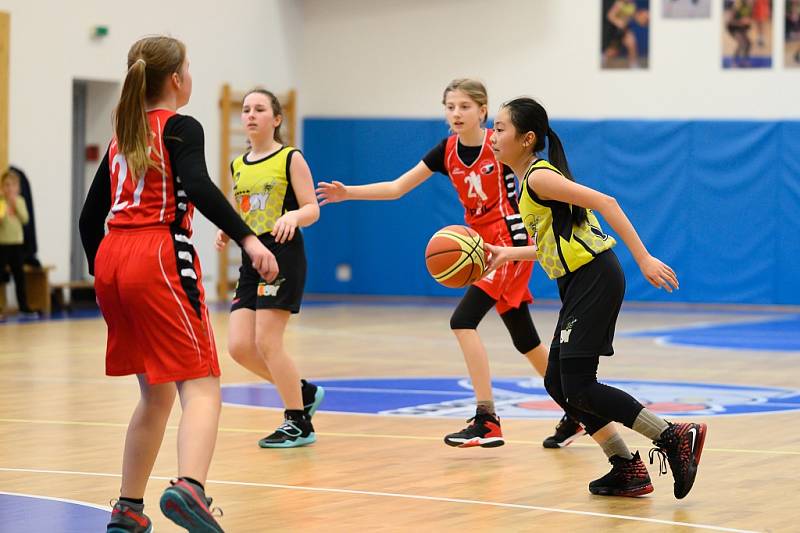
[(59, 291), (37, 287)]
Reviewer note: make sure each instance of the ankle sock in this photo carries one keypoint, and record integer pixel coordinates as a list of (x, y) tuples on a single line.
[(614, 445), (485, 407)]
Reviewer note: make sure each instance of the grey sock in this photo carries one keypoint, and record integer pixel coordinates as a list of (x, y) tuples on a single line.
[(616, 446), (486, 407), (649, 424)]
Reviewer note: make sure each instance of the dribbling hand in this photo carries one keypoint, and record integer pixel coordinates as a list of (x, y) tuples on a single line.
[(497, 256), (263, 260), (659, 274), (329, 193)]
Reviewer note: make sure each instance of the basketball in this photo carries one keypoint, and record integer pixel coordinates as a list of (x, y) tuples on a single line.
[(455, 256)]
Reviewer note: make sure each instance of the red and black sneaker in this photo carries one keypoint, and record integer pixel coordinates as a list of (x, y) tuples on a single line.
[(567, 431), (186, 504), (483, 431), (681, 445), (628, 477), (127, 517)]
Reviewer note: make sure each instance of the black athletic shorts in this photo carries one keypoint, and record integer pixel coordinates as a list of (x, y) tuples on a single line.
[(590, 301), (286, 292)]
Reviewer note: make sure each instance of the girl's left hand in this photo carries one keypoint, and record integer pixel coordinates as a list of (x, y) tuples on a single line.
[(659, 274), (497, 256), (285, 227)]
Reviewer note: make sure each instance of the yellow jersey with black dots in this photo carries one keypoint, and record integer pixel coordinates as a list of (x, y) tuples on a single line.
[(562, 247), (263, 188)]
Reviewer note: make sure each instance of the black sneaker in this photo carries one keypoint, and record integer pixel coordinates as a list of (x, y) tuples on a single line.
[(681, 445), (290, 434), (312, 397), (186, 504), (127, 517), (628, 477), (484, 431), (567, 431)]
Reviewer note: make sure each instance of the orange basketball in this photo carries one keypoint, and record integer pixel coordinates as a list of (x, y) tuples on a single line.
[(455, 256)]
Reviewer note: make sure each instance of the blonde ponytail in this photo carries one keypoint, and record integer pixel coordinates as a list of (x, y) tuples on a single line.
[(130, 121), (151, 61)]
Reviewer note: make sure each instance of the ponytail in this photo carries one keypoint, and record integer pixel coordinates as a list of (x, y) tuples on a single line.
[(528, 115), (151, 61), (130, 121), (558, 158)]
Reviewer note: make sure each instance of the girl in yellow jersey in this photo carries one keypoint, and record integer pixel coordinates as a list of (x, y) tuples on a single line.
[(573, 249), (274, 194)]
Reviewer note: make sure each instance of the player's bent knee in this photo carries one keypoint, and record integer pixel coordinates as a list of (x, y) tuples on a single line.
[(463, 321)]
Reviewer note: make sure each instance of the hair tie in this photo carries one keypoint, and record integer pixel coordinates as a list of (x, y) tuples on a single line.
[(142, 61)]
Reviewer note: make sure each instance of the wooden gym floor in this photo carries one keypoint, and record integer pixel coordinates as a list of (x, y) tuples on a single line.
[(62, 425)]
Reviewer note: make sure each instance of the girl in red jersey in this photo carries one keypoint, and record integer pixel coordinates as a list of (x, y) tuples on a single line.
[(487, 191), (148, 279)]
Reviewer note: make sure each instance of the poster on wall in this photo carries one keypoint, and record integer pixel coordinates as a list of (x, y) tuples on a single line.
[(686, 9), (625, 34), (747, 34), (791, 47)]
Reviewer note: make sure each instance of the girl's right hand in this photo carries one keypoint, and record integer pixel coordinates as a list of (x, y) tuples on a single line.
[(263, 260), (221, 241), (496, 257), (329, 193)]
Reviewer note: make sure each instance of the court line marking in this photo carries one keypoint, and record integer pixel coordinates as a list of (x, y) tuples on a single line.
[(63, 500), (363, 435), (405, 496)]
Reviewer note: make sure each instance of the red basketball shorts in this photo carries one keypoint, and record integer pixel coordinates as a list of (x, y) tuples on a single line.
[(509, 283), (148, 285)]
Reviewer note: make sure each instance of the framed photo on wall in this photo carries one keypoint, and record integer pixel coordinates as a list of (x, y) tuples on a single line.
[(747, 34), (686, 9), (791, 47), (625, 34)]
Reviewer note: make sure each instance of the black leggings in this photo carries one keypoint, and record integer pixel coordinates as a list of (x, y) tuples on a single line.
[(474, 306), (572, 383)]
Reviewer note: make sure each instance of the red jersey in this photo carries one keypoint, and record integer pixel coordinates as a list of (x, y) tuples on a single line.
[(156, 199), (486, 194)]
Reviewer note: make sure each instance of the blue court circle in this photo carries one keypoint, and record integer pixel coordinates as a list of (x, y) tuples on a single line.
[(520, 398), (780, 334), (25, 513)]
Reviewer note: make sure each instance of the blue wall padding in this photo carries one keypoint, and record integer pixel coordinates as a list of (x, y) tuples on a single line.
[(717, 200)]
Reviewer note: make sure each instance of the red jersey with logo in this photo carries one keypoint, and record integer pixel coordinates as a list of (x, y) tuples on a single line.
[(155, 199), (489, 196), (485, 192)]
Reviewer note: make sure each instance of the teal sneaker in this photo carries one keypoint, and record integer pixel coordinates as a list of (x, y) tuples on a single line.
[(290, 434), (312, 397)]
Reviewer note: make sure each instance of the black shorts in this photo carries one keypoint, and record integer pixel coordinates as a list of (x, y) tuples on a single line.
[(590, 301), (286, 292)]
